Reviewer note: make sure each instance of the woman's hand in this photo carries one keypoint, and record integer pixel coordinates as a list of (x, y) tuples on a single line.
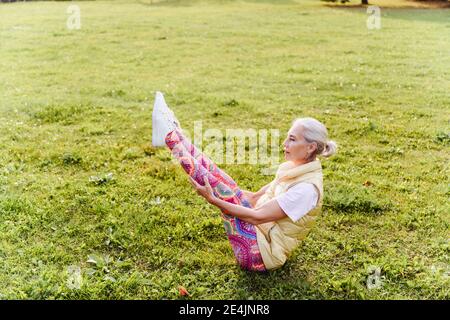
[(270, 211), (251, 197), (206, 191)]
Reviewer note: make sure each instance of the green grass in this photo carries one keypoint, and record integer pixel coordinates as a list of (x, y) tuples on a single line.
[(75, 105)]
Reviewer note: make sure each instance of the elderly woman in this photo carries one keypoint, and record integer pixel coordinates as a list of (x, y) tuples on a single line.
[(263, 227)]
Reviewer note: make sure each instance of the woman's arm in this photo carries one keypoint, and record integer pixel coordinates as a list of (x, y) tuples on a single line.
[(253, 197), (262, 190), (271, 211)]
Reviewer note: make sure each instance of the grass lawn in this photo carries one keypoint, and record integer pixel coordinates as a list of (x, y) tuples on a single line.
[(75, 105)]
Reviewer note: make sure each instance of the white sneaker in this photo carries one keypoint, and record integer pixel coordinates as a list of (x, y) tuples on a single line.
[(163, 121)]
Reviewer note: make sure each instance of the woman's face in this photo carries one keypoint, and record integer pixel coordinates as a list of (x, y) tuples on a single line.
[(296, 148)]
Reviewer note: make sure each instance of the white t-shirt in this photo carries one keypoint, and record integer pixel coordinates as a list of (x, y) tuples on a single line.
[(298, 200)]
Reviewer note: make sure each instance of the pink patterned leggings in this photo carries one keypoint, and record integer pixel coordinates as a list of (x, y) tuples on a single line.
[(241, 234)]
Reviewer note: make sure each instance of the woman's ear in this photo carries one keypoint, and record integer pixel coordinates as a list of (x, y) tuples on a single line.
[(312, 148)]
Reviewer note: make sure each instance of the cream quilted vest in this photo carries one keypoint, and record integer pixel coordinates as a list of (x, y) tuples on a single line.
[(276, 240)]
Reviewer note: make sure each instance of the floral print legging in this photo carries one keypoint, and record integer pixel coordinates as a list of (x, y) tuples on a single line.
[(241, 234)]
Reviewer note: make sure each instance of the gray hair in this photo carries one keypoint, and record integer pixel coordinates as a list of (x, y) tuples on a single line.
[(315, 131)]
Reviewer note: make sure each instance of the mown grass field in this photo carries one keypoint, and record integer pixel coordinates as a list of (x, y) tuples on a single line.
[(76, 104)]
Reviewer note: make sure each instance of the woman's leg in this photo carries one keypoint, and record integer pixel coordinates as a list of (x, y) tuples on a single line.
[(206, 162), (242, 235)]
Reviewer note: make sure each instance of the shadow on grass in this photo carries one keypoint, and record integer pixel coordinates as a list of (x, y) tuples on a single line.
[(432, 14), (414, 4), (416, 15), (285, 283)]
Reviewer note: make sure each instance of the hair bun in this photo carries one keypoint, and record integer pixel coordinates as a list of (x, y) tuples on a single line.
[(330, 149)]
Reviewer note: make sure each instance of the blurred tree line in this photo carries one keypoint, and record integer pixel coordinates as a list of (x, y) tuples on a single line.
[(367, 1)]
